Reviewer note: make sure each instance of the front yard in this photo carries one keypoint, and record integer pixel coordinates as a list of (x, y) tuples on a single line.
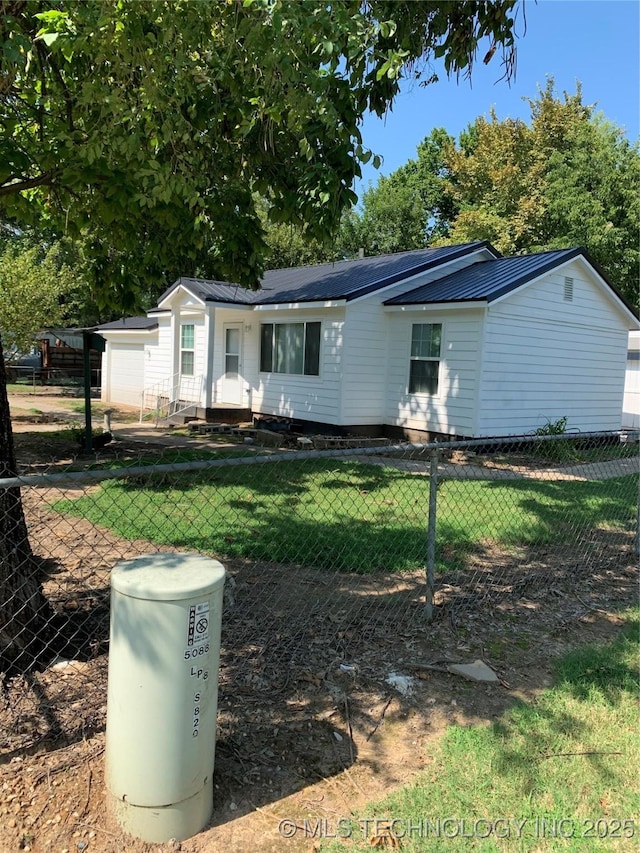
[(352, 516), (323, 624)]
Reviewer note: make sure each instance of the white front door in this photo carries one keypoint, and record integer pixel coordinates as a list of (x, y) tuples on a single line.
[(232, 381)]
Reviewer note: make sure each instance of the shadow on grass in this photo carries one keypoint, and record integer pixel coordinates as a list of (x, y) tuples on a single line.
[(604, 671), (568, 756), (351, 516), (550, 728)]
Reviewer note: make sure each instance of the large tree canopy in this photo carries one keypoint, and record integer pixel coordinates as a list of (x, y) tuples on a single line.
[(407, 209), (145, 129), (567, 178)]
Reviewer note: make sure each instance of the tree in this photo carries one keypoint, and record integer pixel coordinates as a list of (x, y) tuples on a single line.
[(145, 132), (409, 208), (34, 282), (495, 184), (567, 178), (289, 246)]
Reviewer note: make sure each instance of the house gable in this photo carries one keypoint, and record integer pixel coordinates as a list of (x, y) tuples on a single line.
[(180, 295), (498, 279), (552, 349)]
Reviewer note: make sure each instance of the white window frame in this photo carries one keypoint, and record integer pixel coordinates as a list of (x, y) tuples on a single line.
[(191, 350), (273, 353), (437, 359)]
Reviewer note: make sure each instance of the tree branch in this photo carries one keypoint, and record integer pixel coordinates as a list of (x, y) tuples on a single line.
[(17, 185), (68, 100)]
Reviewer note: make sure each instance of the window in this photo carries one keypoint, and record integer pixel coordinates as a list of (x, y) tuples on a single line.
[(426, 340), (290, 348), (187, 346), (232, 352)]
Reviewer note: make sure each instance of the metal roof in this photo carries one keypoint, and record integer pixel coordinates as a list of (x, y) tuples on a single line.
[(332, 281), (487, 280), (129, 324)]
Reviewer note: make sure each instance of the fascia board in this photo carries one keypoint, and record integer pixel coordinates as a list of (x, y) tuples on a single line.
[(173, 297), (300, 306), (436, 306), (230, 306)]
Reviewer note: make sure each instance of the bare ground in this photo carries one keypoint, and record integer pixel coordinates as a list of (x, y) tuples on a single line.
[(308, 725)]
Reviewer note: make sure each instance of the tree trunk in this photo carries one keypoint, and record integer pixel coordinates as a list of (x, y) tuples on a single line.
[(25, 613)]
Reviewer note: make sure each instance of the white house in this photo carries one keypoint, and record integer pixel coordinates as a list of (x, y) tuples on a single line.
[(454, 340), (631, 404)]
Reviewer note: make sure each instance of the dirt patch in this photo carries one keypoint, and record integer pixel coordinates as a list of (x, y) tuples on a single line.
[(310, 726)]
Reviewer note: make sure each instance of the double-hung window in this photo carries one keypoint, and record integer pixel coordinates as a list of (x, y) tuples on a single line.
[(187, 349), (290, 348), (424, 365)]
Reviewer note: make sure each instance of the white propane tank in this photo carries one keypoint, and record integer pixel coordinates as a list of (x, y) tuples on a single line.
[(166, 615)]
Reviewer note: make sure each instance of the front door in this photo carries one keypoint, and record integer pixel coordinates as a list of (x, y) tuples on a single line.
[(232, 381)]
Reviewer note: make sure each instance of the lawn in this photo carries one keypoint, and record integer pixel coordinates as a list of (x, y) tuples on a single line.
[(349, 516), (559, 773)]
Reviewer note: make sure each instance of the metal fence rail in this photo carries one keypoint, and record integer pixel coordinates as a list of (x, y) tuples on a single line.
[(328, 553)]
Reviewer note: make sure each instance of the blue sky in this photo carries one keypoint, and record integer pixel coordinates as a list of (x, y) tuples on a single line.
[(594, 41)]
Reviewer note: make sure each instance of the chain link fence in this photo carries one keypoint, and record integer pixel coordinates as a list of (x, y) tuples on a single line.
[(332, 555)]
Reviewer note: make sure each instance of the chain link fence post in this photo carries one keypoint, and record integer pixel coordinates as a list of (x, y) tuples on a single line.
[(637, 542), (431, 533)]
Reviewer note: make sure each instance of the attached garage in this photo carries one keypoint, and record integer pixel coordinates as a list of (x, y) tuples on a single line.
[(123, 361)]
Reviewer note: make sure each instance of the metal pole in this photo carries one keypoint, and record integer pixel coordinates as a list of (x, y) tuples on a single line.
[(431, 534), (88, 438), (638, 522)]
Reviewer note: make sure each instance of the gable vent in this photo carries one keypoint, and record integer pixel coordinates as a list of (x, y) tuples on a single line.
[(568, 289)]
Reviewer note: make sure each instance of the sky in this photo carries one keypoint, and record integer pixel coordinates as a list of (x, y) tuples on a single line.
[(596, 42)]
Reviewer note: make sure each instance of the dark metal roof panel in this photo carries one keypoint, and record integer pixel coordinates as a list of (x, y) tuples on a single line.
[(351, 279), (332, 281), (486, 280), (138, 324), (215, 291)]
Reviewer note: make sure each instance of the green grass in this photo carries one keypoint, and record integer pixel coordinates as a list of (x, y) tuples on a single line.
[(347, 515), (564, 765)]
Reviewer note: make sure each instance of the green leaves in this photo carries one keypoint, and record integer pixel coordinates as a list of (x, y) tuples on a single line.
[(145, 129), (565, 179), (33, 281)]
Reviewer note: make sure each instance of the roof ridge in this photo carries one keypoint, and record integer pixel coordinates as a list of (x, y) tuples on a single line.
[(478, 243)]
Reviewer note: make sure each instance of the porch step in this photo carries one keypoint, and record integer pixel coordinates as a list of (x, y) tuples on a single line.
[(180, 417)]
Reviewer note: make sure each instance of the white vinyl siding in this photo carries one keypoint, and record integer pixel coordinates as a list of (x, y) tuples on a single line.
[(546, 358), (370, 350), (158, 354), (364, 364), (311, 398), (452, 410), (631, 402)]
